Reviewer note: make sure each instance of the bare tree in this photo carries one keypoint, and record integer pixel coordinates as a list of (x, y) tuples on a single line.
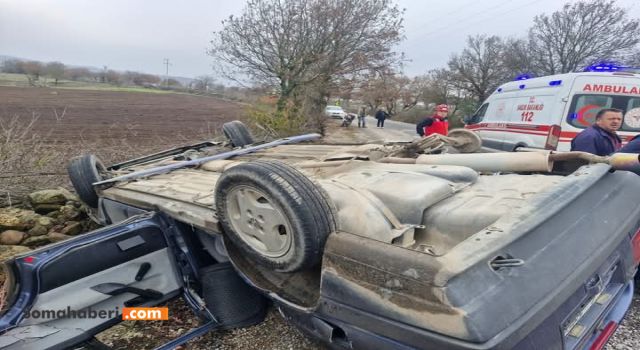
[(13, 66), (480, 68), (112, 77), (440, 87), (517, 58), (103, 74), (394, 91), (413, 91), (54, 70), (296, 45), (77, 73), (371, 93), (632, 59), (203, 83), (33, 70), (580, 34)]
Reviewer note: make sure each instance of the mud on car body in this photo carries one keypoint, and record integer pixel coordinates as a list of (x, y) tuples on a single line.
[(361, 246)]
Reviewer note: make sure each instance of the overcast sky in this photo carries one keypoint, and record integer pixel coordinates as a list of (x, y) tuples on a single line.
[(139, 34)]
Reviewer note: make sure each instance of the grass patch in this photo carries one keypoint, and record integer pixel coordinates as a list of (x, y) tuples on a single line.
[(10, 77), (20, 80), (118, 88)]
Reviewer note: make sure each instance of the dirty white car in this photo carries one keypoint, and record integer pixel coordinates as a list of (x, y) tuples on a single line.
[(335, 112), (362, 246)]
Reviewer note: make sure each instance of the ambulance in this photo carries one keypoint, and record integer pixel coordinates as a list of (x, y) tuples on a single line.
[(548, 112)]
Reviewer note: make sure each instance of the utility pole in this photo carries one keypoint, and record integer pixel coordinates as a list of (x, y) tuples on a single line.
[(166, 76)]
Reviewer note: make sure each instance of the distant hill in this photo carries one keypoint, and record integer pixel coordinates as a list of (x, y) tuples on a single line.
[(183, 80)]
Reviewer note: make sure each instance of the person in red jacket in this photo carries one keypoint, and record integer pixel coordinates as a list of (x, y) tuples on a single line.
[(435, 124)]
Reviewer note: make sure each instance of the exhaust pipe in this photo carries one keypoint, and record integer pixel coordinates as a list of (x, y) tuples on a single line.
[(625, 161), (493, 162), (521, 161)]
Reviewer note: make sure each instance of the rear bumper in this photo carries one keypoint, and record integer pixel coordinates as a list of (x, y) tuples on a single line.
[(613, 318), (339, 332)]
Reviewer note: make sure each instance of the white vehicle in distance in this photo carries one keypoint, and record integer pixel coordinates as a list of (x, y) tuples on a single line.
[(335, 112)]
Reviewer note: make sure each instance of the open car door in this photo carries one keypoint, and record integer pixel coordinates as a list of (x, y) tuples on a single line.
[(61, 295)]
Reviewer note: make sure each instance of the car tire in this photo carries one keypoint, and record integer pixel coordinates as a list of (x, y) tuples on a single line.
[(237, 133), (473, 141), (233, 302), (274, 214), (83, 172)]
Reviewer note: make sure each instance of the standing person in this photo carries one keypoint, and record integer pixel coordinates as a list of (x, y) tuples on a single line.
[(361, 117), (381, 116), (600, 138), (438, 123)]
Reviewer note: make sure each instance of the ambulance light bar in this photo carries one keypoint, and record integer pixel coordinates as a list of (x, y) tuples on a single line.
[(603, 67), (609, 67), (523, 77)]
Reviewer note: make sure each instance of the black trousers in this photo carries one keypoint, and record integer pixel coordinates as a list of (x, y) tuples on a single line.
[(381, 123)]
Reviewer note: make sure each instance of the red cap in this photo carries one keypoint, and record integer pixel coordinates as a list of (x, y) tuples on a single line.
[(442, 108)]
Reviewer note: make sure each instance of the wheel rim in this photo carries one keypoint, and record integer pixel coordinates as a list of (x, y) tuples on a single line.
[(259, 221), (98, 170)]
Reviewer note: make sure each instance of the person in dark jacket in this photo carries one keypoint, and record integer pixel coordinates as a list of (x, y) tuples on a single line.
[(381, 116), (438, 123), (600, 138), (633, 146)]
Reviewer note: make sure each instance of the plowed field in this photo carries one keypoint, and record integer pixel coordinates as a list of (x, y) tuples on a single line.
[(65, 115)]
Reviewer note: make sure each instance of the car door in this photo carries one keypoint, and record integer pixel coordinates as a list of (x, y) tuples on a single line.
[(61, 295)]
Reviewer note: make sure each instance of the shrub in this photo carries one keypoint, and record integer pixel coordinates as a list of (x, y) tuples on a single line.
[(273, 124)]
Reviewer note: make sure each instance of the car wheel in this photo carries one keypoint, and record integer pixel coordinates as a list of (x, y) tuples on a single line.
[(237, 133), (230, 299), (471, 141), (83, 172), (274, 214)]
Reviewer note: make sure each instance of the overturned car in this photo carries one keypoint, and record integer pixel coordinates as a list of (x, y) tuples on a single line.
[(361, 246)]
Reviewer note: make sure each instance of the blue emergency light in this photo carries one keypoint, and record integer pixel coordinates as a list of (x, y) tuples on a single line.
[(611, 67), (524, 76), (603, 67), (555, 82)]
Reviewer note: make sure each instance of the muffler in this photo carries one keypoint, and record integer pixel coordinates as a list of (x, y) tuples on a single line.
[(522, 161), (625, 161), (493, 162)]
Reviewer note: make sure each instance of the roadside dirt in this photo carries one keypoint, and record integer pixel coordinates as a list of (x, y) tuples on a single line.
[(272, 334)]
